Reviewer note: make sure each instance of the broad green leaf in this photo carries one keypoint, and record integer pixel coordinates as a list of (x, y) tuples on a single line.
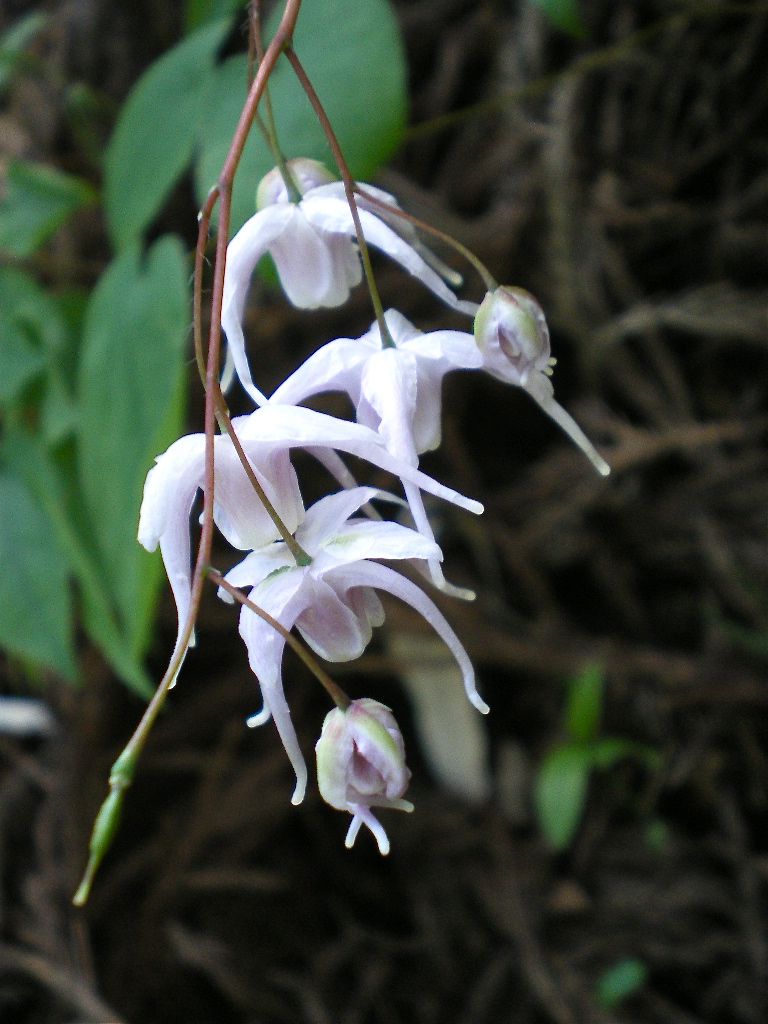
[(353, 54), (37, 200), (155, 134), (26, 456), (585, 704), (621, 981), (130, 386), (560, 793), (14, 42), (199, 12), (35, 621), (564, 14)]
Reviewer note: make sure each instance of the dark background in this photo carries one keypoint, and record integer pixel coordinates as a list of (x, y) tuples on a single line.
[(631, 197)]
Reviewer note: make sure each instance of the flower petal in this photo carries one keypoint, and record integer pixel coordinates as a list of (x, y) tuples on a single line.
[(389, 385), (326, 517), (377, 540), (383, 578), (243, 253), (308, 272), (336, 366), (329, 624), (283, 597), (333, 215), (539, 387)]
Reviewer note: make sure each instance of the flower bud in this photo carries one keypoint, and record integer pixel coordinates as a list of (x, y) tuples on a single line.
[(361, 764), (512, 335), (307, 174)]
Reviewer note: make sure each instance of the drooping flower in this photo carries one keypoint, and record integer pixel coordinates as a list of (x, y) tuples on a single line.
[(513, 337), (361, 764), (312, 245), (395, 391), (266, 435), (332, 601)]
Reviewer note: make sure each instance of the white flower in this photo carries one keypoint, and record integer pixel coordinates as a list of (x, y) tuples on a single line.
[(312, 244), (331, 601), (266, 435), (513, 338), (361, 764), (395, 391)]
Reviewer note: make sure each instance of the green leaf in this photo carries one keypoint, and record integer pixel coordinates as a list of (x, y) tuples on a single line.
[(606, 752), (585, 704), (130, 396), (200, 12), (37, 201), (353, 54), (15, 41), (34, 592), (155, 134), (621, 981), (20, 358), (564, 14), (26, 456), (560, 793)]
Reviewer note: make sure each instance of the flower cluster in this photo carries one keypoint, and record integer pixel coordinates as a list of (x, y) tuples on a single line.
[(393, 376)]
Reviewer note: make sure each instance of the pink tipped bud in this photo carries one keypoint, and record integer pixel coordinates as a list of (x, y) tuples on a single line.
[(512, 335), (361, 764), (307, 174)]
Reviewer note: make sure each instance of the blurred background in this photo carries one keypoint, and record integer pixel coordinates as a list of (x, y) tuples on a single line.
[(594, 850)]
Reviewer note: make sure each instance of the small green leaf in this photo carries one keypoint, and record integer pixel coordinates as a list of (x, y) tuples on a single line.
[(34, 591), (564, 14), (37, 201), (49, 485), (353, 54), (130, 395), (155, 134), (15, 41), (585, 704), (621, 981), (560, 793)]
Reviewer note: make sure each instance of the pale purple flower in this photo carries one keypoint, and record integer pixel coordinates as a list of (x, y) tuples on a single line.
[(312, 245), (266, 435), (361, 764), (332, 601), (513, 337), (395, 391)]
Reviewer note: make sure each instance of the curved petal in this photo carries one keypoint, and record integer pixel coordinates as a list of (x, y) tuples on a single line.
[(243, 253), (256, 567), (333, 215), (330, 625), (294, 426), (169, 493), (283, 597), (453, 349), (389, 384), (539, 387), (306, 267), (383, 578), (326, 517), (336, 366), (368, 539), (363, 815)]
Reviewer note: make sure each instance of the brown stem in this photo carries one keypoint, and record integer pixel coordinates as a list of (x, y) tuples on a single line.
[(349, 188), (122, 772), (488, 279), (335, 692)]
